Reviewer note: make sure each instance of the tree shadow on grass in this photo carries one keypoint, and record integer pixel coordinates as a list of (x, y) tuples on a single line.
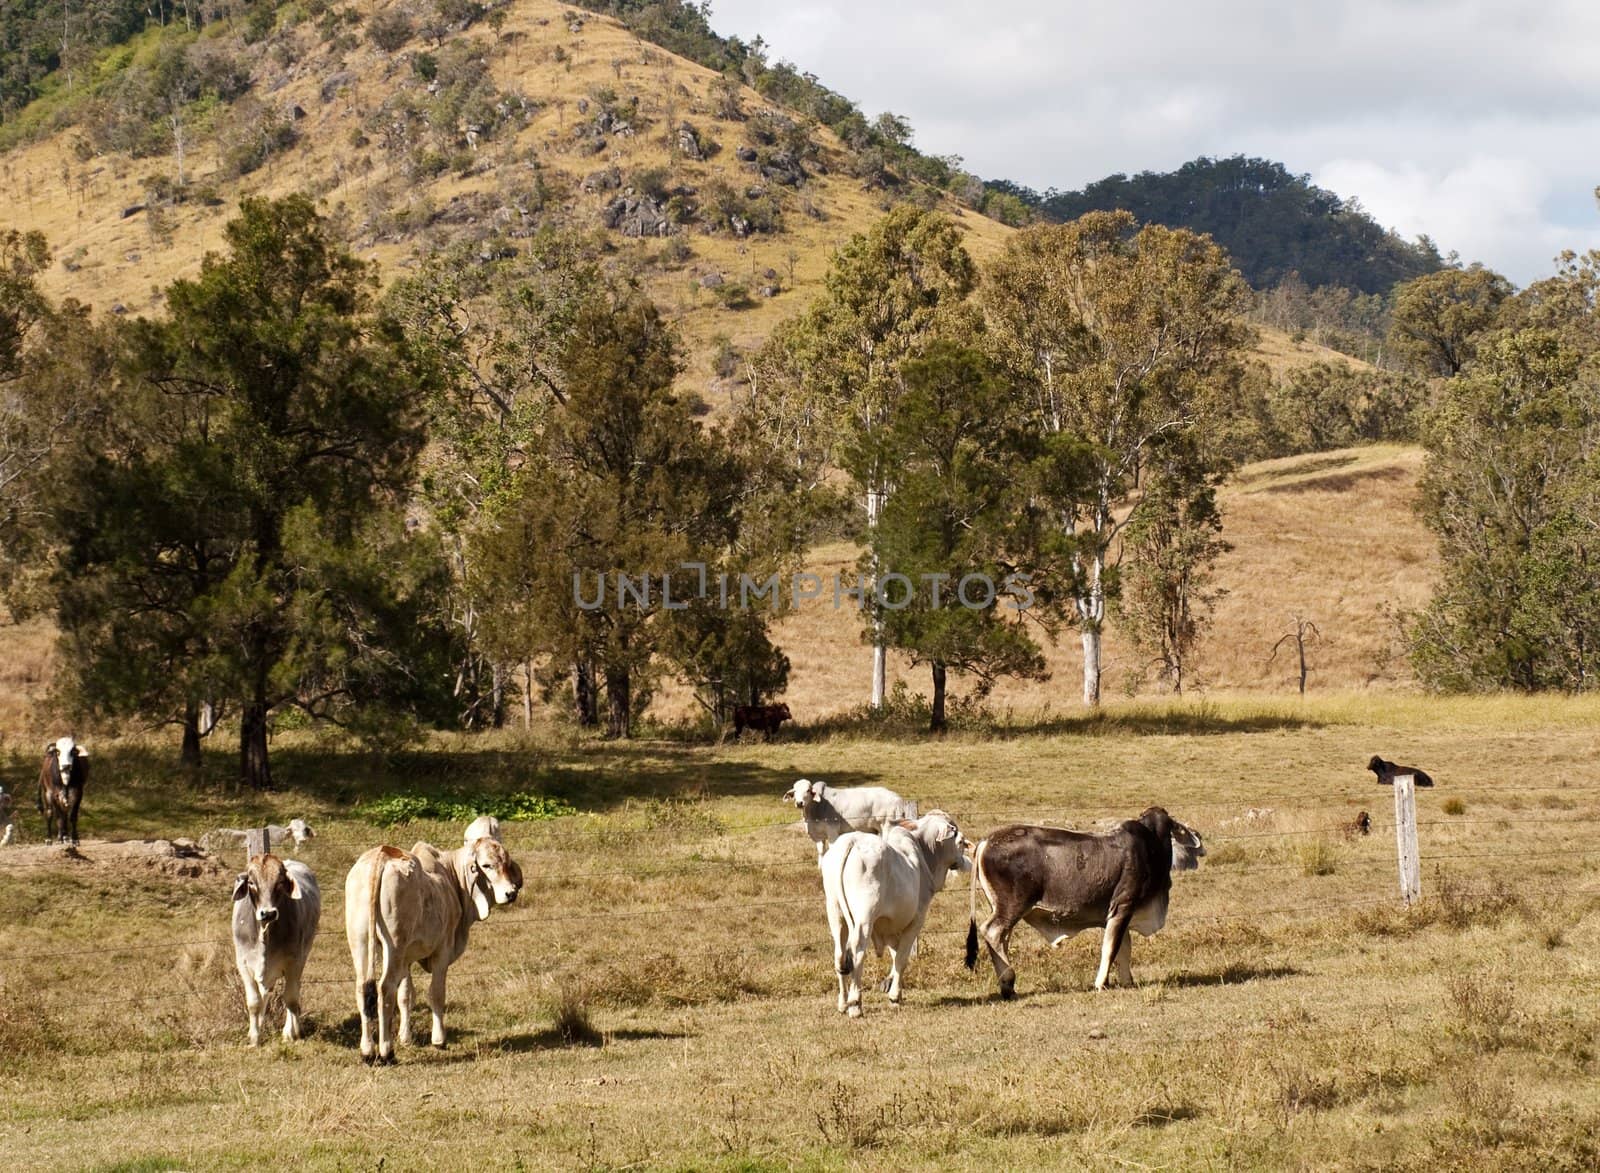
[(1233, 975), (552, 1039)]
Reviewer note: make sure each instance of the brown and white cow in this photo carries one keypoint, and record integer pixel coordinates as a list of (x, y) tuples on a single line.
[(276, 909), (402, 908), (766, 718), (1063, 882), (62, 777)]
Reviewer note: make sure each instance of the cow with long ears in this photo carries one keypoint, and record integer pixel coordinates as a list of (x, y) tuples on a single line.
[(62, 777), (1063, 882), (276, 908), (402, 908)]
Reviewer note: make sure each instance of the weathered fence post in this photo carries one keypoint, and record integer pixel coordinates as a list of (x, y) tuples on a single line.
[(257, 841), (1405, 834)]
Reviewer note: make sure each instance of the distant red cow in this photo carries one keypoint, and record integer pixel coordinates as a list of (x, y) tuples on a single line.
[(766, 718)]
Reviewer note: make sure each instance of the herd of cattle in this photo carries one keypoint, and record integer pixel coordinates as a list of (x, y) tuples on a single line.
[(881, 864)]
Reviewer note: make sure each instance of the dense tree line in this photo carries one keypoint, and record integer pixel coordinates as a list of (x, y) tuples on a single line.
[(286, 498), (1272, 223)]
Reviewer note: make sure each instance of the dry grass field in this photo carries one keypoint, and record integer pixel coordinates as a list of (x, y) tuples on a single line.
[(661, 997)]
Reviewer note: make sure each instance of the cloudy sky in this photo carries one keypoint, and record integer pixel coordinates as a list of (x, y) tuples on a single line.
[(1475, 121)]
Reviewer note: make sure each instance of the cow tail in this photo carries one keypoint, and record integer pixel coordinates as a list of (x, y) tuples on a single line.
[(369, 980), (847, 924), (972, 906)]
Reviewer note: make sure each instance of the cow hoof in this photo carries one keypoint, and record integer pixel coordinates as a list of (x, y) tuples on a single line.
[(437, 1046), (853, 1012), (1008, 993)]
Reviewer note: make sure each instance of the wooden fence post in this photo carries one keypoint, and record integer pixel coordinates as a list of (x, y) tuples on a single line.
[(1405, 833), (257, 841)]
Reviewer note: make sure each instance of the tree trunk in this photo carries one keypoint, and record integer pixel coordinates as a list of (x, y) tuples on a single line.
[(497, 712), (254, 769), (937, 725), (619, 702), (189, 755), (1091, 665), (584, 691), (527, 695), (880, 653), (1092, 611)]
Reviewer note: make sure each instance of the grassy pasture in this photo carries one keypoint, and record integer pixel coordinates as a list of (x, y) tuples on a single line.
[(662, 995)]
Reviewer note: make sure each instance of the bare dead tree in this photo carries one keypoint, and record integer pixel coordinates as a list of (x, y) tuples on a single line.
[(1305, 631)]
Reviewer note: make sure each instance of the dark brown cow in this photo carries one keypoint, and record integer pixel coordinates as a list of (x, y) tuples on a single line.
[(1063, 882), (1386, 772), (766, 718), (61, 780)]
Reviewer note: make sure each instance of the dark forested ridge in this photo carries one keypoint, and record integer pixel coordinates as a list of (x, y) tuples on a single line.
[(1273, 223)]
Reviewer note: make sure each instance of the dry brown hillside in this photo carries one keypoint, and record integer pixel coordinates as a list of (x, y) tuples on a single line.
[(402, 188)]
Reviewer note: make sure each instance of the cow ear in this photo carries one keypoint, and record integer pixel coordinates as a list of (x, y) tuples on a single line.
[(816, 792), (241, 886), (294, 885)]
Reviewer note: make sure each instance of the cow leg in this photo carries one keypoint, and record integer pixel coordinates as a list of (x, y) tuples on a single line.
[(291, 1001), (897, 965), (403, 1035), (253, 999), (997, 938), (393, 975), (436, 1004), (73, 801), (1125, 962), (1116, 936)]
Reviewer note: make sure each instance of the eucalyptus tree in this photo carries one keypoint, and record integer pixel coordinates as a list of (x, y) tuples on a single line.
[(1123, 339), (831, 377)]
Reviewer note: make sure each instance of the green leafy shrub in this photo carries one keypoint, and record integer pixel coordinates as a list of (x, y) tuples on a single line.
[(457, 806)]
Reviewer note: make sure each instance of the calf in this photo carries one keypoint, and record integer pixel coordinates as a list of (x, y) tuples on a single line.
[(276, 907), (830, 813), (62, 776), (401, 908), (766, 718), (298, 829), (1387, 771), (1063, 882), (878, 888)]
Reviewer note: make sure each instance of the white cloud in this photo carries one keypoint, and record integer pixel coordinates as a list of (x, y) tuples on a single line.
[(1474, 121)]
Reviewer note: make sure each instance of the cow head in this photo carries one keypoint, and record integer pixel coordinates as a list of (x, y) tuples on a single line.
[(492, 876), (301, 831), (781, 711), (1377, 764), (1187, 847), (803, 792), (68, 759), (267, 884), (947, 846)]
